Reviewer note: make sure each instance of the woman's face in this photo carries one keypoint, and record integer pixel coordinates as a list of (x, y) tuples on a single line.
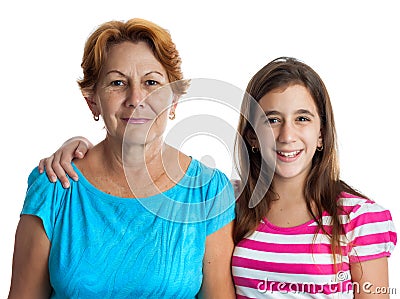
[(128, 94), (294, 133)]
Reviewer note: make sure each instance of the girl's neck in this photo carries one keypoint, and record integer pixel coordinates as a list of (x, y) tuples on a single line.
[(290, 209), (289, 190)]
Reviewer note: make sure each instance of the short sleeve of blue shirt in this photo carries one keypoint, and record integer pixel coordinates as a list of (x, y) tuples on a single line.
[(103, 246), (220, 208)]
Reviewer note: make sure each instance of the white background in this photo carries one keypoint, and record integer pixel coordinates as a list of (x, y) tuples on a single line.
[(353, 45)]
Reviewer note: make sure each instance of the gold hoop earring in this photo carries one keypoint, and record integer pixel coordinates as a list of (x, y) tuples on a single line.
[(171, 115), (254, 149), (320, 148), (96, 117)]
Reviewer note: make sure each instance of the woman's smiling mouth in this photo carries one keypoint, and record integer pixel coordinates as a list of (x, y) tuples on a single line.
[(136, 121)]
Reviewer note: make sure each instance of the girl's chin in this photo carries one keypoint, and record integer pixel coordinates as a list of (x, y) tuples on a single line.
[(287, 173)]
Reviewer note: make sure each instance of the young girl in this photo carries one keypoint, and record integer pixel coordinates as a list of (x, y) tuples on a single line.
[(309, 235)]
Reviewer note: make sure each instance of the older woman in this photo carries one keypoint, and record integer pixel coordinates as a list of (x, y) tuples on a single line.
[(144, 220)]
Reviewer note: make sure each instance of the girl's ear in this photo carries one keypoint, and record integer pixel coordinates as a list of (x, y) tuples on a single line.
[(251, 138), (320, 142)]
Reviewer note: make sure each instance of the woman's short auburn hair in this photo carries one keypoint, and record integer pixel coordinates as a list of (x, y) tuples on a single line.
[(134, 30)]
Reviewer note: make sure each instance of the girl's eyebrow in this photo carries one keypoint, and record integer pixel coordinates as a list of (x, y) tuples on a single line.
[(299, 111), (305, 111), (272, 112)]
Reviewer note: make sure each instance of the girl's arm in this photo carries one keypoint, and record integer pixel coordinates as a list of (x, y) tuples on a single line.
[(217, 277), (370, 279), (30, 274), (58, 164)]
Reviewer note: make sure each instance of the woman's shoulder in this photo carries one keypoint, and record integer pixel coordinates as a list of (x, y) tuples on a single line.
[(38, 182), (207, 173), (42, 192), (44, 199)]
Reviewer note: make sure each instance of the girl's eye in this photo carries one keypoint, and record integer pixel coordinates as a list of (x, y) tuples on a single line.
[(151, 82), (302, 118), (273, 120), (117, 83)]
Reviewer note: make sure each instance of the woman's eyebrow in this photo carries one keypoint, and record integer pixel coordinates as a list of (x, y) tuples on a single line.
[(146, 74), (156, 72), (115, 71)]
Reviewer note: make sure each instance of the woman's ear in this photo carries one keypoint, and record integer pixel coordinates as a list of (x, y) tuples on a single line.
[(174, 104), (88, 94), (92, 105)]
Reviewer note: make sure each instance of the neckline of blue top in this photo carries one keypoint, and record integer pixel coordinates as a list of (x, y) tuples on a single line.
[(182, 182)]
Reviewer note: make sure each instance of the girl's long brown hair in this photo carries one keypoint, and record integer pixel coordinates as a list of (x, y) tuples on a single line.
[(322, 186)]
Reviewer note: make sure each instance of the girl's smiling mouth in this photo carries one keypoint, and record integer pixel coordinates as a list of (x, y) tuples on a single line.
[(287, 156)]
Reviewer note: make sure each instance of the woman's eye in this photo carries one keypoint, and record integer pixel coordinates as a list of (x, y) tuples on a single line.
[(151, 82), (117, 83)]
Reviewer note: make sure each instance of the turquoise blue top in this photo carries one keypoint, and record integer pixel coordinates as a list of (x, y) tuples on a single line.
[(103, 246)]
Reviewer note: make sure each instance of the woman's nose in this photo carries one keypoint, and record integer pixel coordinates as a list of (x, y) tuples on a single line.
[(135, 97)]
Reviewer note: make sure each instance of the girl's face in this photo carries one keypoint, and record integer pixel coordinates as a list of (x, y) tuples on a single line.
[(128, 94), (294, 133)]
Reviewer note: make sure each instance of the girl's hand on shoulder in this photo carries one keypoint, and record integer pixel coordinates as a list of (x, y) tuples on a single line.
[(59, 163)]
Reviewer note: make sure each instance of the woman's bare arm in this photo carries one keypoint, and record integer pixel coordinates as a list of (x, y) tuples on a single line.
[(30, 274)]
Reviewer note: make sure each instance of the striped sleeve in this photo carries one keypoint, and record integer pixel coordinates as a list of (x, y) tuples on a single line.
[(370, 231)]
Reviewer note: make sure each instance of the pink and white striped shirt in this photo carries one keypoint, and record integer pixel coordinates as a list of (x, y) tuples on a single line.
[(276, 262)]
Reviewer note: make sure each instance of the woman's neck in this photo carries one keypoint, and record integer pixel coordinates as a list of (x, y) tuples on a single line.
[(137, 170), (132, 157)]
